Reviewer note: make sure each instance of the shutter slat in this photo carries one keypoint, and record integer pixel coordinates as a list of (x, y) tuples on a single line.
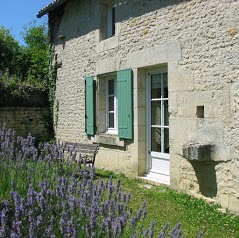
[(125, 104), (89, 105)]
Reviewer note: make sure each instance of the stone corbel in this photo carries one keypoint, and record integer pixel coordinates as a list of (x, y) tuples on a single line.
[(197, 152)]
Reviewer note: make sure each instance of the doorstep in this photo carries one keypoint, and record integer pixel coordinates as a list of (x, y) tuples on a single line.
[(156, 179)]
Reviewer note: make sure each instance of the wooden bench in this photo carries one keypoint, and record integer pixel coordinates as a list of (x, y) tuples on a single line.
[(87, 152)]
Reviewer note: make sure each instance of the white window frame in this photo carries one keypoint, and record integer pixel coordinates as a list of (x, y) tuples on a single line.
[(112, 130)]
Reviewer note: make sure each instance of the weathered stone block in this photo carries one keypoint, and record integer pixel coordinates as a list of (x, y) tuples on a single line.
[(197, 151)]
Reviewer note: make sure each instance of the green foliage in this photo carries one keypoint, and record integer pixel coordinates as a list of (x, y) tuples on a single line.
[(52, 74), (10, 53), (37, 51), (24, 65), (11, 84)]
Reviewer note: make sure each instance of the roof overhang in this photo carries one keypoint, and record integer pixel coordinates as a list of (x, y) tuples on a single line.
[(50, 7)]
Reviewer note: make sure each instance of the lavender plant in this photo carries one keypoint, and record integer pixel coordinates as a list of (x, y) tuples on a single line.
[(51, 197)]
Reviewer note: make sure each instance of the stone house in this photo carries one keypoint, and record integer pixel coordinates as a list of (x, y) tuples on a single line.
[(156, 83)]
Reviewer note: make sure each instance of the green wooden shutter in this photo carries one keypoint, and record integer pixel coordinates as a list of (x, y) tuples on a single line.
[(125, 104), (89, 105)]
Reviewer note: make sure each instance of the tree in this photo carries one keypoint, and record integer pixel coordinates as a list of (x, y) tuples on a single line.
[(27, 64), (37, 52), (10, 50)]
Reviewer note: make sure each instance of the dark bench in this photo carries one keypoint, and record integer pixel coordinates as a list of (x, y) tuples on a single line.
[(87, 152)]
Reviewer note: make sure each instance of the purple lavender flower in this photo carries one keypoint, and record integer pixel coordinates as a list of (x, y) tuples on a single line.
[(63, 219), (49, 228), (133, 222), (32, 224), (4, 228), (41, 202), (151, 230), (163, 234), (39, 220), (72, 202), (176, 231), (13, 234), (92, 172)]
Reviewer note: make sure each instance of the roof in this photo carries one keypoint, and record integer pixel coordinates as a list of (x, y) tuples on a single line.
[(53, 5)]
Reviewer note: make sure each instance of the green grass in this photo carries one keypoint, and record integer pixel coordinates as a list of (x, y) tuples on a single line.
[(165, 205)]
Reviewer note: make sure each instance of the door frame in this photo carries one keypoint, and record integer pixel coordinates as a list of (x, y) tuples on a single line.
[(148, 119)]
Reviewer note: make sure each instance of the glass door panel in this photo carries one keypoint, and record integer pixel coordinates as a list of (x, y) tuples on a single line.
[(155, 113), (166, 113), (159, 113), (156, 139)]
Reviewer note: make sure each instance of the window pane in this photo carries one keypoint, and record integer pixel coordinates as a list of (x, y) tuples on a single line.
[(156, 139), (156, 112), (111, 103), (113, 21), (156, 86), (166, 113), (111, 86), (111, 120), (165, 85), (166, 140)]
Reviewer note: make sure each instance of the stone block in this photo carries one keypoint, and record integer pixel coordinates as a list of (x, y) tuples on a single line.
[(210, 130), (196, 151), (223, 200), (183, 130), (163, 53), (180, 81), (107, 65), (233, 204), (142, 166)]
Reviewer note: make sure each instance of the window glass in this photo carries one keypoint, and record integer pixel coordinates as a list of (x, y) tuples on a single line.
[(107, 20), (113, 21), (159, 113), (111, 103), (156, 113), (156, 86), (111, 106), (156, 139), (166, 113), (165, 85), (111, 120), (111, 87), (166, 140)]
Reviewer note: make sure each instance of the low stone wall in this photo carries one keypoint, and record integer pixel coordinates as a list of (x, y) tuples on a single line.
[(25, 120), (28, 113)]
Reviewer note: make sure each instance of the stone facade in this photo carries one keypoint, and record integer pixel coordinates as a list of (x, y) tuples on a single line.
[(197, 42)]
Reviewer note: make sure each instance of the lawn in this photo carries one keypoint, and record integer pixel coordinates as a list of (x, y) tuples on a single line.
[(166, 205), (44, 193)]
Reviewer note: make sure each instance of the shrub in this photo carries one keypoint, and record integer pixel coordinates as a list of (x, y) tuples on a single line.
[(52, 203)]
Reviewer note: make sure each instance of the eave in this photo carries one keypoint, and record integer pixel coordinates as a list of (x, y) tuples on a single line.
[(50, 7)]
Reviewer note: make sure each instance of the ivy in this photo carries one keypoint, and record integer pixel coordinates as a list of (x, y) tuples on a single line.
[(52, 76)]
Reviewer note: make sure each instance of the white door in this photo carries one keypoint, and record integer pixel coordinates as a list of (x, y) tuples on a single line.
[(158, 127)]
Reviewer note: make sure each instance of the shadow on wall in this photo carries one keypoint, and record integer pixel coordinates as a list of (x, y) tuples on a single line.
[(125, 10), (206, 175)]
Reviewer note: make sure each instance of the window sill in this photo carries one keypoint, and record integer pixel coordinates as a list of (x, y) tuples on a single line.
[(107, 44), (107, 140)]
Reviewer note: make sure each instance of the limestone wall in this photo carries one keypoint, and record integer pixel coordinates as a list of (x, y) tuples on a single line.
[(198, 40), (25, 120), (26, 113)]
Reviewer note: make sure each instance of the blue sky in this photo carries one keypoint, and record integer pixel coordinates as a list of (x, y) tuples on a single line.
[(14, 14)]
